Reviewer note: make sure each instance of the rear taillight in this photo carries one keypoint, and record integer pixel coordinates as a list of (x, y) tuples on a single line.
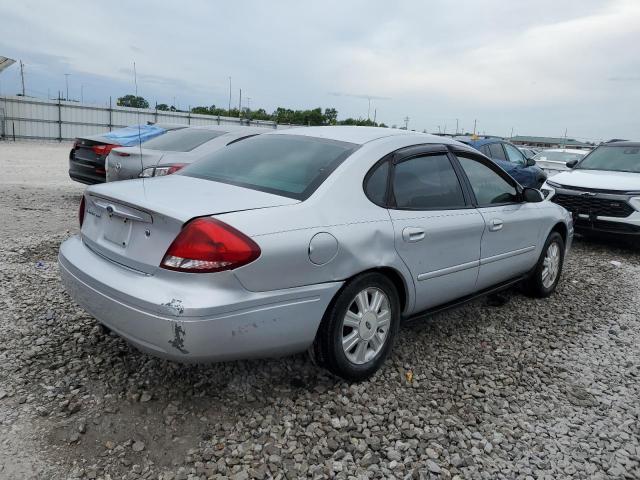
[(103, 149), (81, 212), (209, 245)]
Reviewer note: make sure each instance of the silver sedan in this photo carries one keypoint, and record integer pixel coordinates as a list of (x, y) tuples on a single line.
[(322, 239)]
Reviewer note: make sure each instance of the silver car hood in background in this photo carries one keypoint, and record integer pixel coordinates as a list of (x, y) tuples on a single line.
[(184, 198), (599, 179)]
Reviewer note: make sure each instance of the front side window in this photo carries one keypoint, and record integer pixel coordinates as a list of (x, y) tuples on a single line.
[(616, 159), (488, 187), (288, 165), (515, 155), (496, 151), (182, 140), (427, 183)]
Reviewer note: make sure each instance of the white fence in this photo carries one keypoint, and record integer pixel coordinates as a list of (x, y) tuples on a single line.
[(26, 117)]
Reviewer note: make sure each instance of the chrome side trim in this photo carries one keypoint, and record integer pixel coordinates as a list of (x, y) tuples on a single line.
[(502, 256), (448, 270)]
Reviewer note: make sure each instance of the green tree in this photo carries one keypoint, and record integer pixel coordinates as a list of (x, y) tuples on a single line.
[(163, 107), (330, 116), (132, 101)]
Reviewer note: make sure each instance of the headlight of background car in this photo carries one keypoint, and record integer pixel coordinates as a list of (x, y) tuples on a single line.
[(549, 189), (161, 171)]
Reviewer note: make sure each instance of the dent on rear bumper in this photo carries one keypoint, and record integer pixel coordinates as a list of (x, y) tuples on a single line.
[(165, 318)]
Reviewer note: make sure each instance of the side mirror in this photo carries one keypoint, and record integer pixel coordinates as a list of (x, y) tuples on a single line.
[(531, 195), (571, 163), (530, 162)]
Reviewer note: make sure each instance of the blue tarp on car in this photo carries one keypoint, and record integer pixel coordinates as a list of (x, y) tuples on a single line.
[(134, 134)]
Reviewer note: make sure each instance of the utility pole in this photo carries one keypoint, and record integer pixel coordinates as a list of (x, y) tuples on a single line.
[(229, 96), (511, 136), (22, 76), (375, 115), (369, 109), (564, 143), (240, 104), (406, 123), (474, 127), (456, 126), (66, 79), (81, 93)]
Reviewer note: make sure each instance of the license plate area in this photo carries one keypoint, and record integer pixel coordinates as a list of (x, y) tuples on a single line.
[(117, 230)]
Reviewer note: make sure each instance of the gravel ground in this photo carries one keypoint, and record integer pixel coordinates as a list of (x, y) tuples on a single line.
[(530, 389)]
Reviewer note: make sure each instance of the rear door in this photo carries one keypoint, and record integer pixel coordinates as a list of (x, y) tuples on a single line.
[(437, 230), (510, 237)]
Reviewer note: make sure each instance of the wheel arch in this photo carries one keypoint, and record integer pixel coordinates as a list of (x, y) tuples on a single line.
[(396, 278), (561, 228)]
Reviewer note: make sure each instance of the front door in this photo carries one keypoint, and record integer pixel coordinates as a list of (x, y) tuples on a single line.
[(437, 230)]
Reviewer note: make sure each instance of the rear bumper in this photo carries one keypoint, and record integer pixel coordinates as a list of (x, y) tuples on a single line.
[(192, 321)]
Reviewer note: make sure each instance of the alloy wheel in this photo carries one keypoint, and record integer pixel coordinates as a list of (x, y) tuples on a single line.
[(365, 326)]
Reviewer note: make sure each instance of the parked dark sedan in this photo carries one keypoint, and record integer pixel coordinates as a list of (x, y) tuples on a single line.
[(507, 156), (88, 154)]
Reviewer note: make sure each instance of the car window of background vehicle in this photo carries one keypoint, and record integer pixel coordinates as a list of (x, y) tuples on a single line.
[(426, 183), (489, 187), (617, 159), (496, 151), (515, 155), (183, 140)]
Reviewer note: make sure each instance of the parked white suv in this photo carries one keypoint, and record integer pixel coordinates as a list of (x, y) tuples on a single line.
[(602, 190)]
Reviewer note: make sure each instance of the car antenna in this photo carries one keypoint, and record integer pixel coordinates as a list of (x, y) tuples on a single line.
[(135, 81)]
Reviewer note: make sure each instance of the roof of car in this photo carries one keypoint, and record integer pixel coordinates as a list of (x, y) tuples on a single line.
[(360, 135), (483, 141), (622, 144)]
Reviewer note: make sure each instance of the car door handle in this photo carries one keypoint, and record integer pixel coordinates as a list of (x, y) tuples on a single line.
[(413, 234), (495, 225)]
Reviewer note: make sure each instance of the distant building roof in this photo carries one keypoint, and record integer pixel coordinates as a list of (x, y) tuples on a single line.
[(549, 140)]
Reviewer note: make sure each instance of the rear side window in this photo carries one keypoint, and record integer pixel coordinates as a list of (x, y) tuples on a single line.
[(485, 149), (376, 185), (288, 165), (427, 183), (496, 151), (488, 187), (183, 140)]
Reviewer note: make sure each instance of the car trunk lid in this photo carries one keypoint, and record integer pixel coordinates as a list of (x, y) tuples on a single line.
[(128, 162), (133, 223)]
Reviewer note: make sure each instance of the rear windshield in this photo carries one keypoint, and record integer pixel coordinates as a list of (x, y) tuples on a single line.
[(288, 165), (617, 159), (183, 140)]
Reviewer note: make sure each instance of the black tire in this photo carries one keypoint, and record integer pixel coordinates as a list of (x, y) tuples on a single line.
[(535, 285), (327, 350)]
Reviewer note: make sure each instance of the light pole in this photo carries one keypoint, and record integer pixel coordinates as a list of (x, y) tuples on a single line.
[(66, 80), (81, 93), (229, 96)]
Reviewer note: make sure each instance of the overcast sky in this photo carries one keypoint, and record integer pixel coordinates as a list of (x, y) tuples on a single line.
[(537, 66)]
